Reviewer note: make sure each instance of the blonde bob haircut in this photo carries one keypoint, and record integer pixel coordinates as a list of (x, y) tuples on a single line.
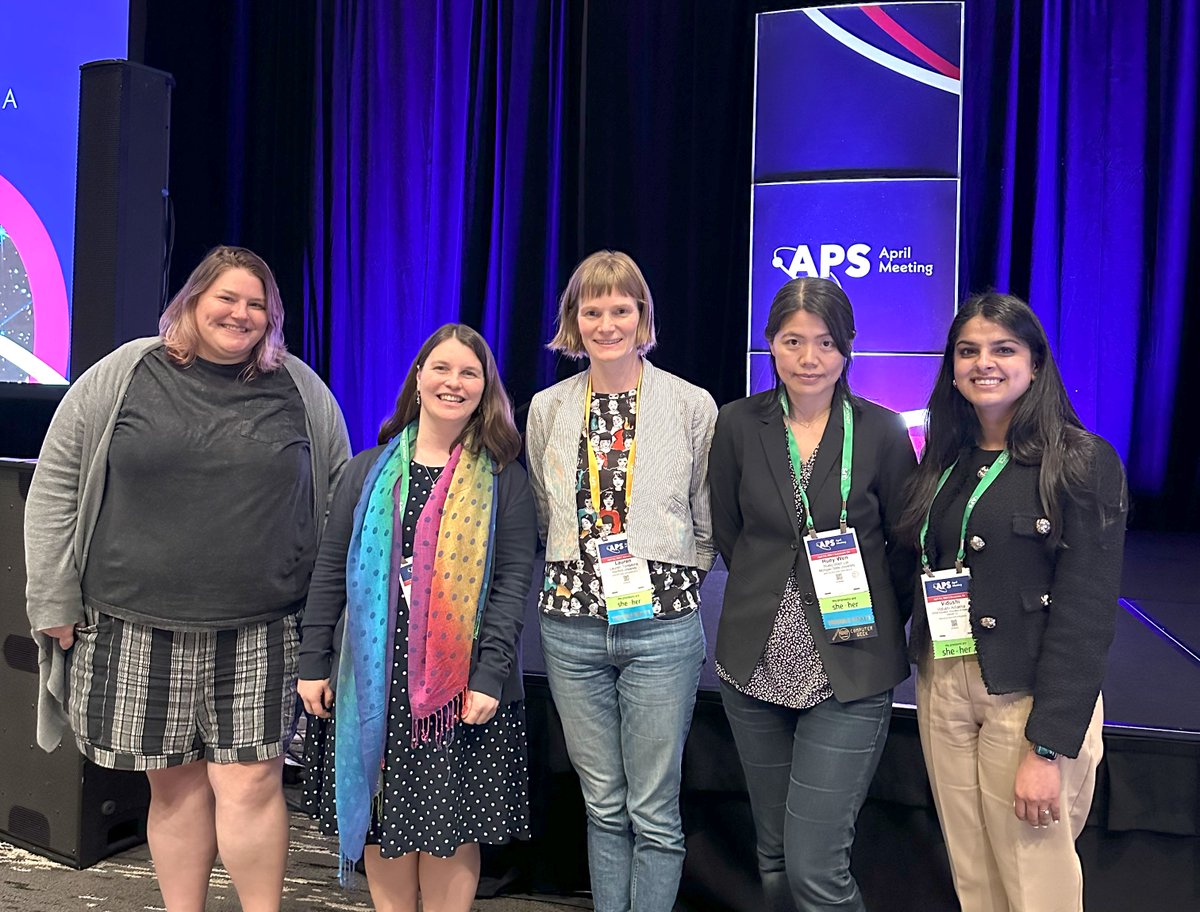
[(604, 272), (177, 325)]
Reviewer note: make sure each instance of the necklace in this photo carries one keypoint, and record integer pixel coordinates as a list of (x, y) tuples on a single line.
[(808, 424), (431, 474)]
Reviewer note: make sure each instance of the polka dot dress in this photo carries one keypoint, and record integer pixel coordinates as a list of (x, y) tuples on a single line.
[(435, 798)]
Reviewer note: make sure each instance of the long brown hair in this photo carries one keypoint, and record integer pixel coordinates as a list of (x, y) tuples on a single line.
[(491, 427), (177, 325), (1045, 430)]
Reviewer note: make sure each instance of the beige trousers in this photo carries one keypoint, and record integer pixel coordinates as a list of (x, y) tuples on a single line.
[(973, 743)]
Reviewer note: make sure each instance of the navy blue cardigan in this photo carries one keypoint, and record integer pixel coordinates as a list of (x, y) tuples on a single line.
[(495, 659)]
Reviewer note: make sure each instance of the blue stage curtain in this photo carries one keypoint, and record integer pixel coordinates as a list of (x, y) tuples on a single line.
[(1080, 151), (438, 169)]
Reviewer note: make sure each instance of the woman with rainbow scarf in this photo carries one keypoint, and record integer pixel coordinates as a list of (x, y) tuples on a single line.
[(428, 551)]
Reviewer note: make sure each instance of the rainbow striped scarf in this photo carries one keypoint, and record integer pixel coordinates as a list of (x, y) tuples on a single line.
[(452, 564)]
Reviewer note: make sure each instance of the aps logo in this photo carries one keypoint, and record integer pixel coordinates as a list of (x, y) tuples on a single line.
[(802, 260)]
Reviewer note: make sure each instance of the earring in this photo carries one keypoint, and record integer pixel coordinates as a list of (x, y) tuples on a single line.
[(418, 396), (953, 383)]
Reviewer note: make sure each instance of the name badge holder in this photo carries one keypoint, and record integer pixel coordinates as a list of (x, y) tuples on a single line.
[(834, 558), (947, 593), (624, 581), (406, 575)]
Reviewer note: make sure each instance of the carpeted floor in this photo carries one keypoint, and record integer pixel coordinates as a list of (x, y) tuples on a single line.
[(125, 883)]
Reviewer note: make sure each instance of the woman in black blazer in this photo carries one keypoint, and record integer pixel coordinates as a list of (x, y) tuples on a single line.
[(808, 691), (1008, 700)]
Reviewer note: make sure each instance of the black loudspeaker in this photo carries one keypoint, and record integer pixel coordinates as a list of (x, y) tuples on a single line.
[(57, 805), (121, 207)]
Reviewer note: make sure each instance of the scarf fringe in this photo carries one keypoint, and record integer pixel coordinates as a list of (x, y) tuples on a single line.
[(438, 726), (347, 878)]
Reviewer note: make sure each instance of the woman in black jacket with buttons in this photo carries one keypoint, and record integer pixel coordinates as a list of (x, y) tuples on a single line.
[(1017, 504)]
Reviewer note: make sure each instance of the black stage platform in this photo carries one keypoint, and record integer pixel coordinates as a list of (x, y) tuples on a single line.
[(1141, 848)]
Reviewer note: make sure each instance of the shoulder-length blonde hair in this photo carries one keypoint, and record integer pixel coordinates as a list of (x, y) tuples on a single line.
[(491, 427), (177, 325), (603, 272)]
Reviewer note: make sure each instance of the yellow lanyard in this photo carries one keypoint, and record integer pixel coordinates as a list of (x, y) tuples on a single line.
[(593, 465)]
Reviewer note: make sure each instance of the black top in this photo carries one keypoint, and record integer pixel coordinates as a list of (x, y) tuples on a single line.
[(758, 532), (207, 516), (1042, 614), (495, 662), (790, 672)]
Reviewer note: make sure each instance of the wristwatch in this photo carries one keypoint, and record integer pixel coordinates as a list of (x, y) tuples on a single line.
[(1044, 752)]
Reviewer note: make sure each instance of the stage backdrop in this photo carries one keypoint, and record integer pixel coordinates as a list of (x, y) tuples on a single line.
[(867, 194), (1078, 181)]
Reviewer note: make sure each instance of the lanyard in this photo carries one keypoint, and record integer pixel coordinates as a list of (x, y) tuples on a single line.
[(798, 463), (593, 466), (985, 482)]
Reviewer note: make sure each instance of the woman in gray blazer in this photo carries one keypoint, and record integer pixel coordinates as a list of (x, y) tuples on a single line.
[(807, 487), (618, 458)]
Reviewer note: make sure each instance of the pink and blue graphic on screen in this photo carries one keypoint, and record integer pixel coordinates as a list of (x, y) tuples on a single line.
[(42, 46), (859, 91), (35, 324)]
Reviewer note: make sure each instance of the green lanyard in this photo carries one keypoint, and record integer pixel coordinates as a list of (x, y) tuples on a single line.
[(798, 463), (985, 482)]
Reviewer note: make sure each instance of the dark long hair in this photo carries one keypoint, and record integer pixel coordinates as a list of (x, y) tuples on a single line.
[(1045, 430), (822, 298), (491, 427)]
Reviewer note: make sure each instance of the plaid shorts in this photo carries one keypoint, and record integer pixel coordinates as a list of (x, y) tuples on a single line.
[(145, 698)]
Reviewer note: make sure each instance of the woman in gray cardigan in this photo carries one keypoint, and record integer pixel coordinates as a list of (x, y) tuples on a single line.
[(171, 528), (618, 460)]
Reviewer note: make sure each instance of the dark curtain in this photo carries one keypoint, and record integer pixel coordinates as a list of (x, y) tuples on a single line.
[(401, 165), (665, 171), (241, 127), (1080, 162), (438, 189)]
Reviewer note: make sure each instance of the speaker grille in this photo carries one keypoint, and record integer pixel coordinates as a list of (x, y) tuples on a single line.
[(20, 652), (26, 823)]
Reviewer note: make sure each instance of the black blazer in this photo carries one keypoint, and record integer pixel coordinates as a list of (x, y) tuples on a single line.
[(495, 659), (758, 533), (1043, 614)]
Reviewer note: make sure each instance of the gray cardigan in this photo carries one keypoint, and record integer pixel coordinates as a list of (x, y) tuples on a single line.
[(68, 486), (669, 518)]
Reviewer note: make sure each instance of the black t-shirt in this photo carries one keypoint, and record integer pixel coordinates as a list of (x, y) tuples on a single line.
[(207, 516)]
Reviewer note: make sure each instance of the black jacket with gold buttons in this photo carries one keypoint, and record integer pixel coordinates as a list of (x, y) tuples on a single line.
[(1043, 606)]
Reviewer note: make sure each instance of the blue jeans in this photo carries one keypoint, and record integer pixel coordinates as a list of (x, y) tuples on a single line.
[(625, 695), (807, 772)]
